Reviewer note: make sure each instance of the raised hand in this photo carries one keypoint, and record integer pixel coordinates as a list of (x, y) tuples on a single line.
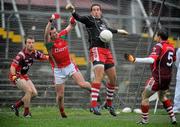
[(72, 20), (55, 16), (121, 31), (70, 7), (129, 57)]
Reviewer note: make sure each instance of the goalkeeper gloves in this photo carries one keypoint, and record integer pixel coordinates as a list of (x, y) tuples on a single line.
[(70, 8), (130, 57), (121, 31)]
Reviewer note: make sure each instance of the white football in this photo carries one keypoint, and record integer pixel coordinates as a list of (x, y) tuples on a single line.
[(106, 36), (137, 110), (127, 110)]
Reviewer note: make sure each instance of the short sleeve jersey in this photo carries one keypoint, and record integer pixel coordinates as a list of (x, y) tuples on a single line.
[(59, 53)]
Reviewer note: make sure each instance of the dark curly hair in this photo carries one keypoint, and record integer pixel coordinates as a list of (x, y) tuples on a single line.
[(95, 5), (163, 33)]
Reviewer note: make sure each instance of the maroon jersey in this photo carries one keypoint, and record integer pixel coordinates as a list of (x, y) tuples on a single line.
[(23, 61), (164, 55)]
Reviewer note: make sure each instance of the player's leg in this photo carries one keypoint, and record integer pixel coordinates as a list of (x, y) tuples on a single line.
[(34, 90), (167, 104), (110, 87), (19, 102), (79, 79), (23, 84), (148, 91), (59, 80), (97, 58), (60, 99), (95, 87)]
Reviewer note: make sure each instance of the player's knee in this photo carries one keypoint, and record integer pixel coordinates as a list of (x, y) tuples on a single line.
[(98, 78), (60, 97), (29, 91), (35, 93), (145, 101)]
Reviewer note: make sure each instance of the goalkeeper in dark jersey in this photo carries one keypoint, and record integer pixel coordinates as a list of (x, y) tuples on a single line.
[(100, 55)]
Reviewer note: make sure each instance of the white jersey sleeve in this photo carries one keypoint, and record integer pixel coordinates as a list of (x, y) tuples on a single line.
[(145, 60)]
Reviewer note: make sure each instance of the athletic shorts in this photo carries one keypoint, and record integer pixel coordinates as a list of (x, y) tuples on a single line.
[(101, 56), (62, 74), (26, 77), (154, 85)]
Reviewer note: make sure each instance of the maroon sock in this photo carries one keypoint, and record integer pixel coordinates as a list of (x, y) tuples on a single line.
[(61, 109), (26, 110), (145, 110), (19, 103)]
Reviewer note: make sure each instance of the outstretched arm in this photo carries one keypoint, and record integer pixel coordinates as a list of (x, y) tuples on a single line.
[(72, 23), (48, 26), (82, 19), (131, 58), (121, 31), (47, 29)]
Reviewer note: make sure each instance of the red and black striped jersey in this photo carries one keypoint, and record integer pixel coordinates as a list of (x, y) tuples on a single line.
[(24, 60)]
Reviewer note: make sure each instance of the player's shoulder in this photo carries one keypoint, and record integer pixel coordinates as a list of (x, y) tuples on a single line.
[(62, 32), (90, 18), (160, 45), (21, 54)]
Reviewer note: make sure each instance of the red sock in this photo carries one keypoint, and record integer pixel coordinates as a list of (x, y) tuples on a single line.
[(26, 110), (145, 110), (19, 103), (94, 93), (61, 109), (109, 94), (168, 106)]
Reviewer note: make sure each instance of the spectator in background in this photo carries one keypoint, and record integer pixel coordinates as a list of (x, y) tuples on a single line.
[(19, 77), (176, 107), (61, 63), (100, 55), (160, 60)]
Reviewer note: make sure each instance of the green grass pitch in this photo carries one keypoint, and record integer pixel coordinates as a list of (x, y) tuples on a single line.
[(49, 117)]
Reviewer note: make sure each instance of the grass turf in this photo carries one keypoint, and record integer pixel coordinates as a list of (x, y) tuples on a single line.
[(49, 117)]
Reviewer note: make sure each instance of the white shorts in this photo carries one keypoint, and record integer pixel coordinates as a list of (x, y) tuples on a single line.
[(62, 74)]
